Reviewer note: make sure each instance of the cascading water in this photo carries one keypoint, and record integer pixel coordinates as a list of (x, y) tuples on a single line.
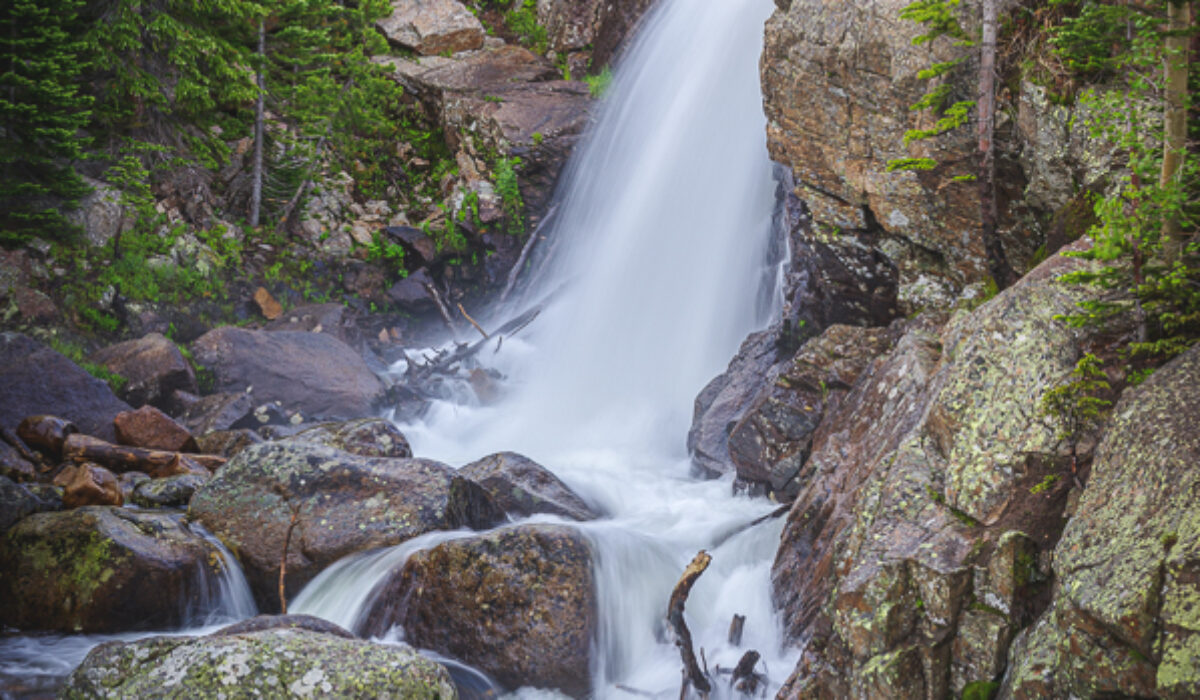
[(662, 256)]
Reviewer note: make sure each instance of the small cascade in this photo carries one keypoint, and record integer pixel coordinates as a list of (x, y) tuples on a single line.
[(222, 599)]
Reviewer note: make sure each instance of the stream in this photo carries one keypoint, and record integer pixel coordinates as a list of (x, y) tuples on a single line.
[(662, 265)]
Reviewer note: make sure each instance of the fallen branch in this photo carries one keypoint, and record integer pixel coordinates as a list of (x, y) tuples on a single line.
[(683, 637), (735, 630), (81, 448), (441, 306), (472, 322), (525, 251), (744, 678), (781, 510), (287, 542)]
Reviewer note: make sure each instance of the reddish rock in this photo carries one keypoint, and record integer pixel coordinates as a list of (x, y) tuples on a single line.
[(46, 433), (270, 308), (154, 367), (518, 603), (151, 428), (89, 485)]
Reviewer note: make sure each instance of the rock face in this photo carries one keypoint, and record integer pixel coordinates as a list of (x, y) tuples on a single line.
[(343, 503), (370, 437), (37, 380), (273, 657), (154, 367), (101, 569), (771, 441), (518, 603), (1123, 618), (523, 487), (313, 373), (911, 552), (432, 27)]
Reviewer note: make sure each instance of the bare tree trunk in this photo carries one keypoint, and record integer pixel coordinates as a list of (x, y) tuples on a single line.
[(1175, 77), (257, 177), (998, 265)]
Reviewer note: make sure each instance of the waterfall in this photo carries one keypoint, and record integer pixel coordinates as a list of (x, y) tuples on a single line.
[(660, 268)]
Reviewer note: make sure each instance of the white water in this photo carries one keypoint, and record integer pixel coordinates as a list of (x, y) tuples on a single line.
[(664, 232), (41, 661)]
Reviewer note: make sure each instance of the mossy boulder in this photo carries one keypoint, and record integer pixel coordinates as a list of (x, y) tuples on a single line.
[(103, 569), (369, 437), (343, 503), (275, 657), (523, 487), (518, 603), (1125, 619), (168, 492)]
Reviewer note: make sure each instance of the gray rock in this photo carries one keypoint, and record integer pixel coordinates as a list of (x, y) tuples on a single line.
[(523, 487), (168, 492), (432, 27), (154, 367), (369, 437)]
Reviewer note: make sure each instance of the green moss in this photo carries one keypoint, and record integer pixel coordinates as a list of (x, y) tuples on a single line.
[(980, 690)]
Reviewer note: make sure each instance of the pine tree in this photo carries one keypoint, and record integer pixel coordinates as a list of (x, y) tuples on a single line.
[(41, 115)]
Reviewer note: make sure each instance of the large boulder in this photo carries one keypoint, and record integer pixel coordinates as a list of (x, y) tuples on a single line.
[(342, 504), (313, 373), (518, 603), (1123, 621), (911, 554), (369, 437), (154, 366), (269, 657), (432, 27), (772, 440), (103, 569), (523, 487), (35, 379)]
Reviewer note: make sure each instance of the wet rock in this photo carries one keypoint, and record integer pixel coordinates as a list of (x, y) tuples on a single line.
[(14, 466), (343, 504), (262, 623), (902, 529), (227, 443), (316, 318), (216, 412), (523, 487), (290, 656), (369, 437), (154, 367), (89, 485), (432, 27), (129, 481), (101, 569), (313, 373), (46, 434), (771, 442), (725, 400), (618, 21), (519, 603), (1122, 621), (37, 380), (151, 428), (168, 492), (16, 502), (411, 294)]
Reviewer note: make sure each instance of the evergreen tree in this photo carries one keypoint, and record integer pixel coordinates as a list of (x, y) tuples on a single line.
[(41, 115)]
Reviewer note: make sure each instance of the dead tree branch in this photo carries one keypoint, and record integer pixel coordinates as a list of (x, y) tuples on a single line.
[(683, 637)]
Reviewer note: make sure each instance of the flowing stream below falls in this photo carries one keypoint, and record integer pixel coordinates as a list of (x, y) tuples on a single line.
[(662, 266)]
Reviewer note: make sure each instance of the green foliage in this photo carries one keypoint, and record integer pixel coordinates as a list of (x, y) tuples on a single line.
[(980, 690), (1161, 293), (940, 20), (75, 353), (508, 188), (1045, 484), (523, 23), (1078, 407), (41, 112), (598, 84)]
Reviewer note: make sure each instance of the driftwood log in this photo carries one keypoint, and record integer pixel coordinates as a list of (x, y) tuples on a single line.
[(744, 678), (683, 637), (81, 448)]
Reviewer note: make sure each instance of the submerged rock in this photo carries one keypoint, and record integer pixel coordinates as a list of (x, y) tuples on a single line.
[(102, 569), (264, 657), (369, 437), (343, 503), (1123, 621), (519, 603), (313, 373), (523, 487)]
